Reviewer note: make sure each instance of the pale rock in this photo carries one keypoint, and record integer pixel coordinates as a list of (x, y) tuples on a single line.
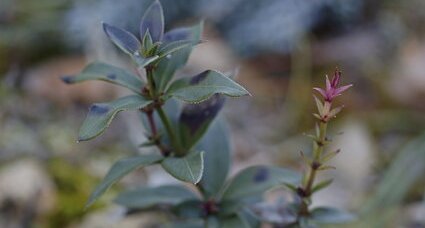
[(213, 54), (26, 183), (407, 82), (416, 212)]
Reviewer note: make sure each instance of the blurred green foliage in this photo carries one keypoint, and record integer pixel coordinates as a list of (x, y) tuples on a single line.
[(74, 185), (31, 30)]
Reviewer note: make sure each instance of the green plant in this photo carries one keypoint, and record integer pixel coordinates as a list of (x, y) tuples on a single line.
[(193, 145), (299, 213)]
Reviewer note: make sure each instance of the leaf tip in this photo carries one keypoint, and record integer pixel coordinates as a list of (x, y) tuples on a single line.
[(105, 26), (81, 139), (88, 204), (67, 79)]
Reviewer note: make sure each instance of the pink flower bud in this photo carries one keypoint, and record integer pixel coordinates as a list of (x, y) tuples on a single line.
[(332, 90)]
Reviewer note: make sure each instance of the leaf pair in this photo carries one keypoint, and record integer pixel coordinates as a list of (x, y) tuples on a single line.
[(152, 46), (152, 23)]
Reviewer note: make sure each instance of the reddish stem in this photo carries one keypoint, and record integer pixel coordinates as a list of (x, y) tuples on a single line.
[(155, 137)]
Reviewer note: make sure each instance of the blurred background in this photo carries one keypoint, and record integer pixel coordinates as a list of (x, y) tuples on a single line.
[(282, 49)]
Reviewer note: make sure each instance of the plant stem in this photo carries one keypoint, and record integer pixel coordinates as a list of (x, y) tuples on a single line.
[(169, 129), (152, 123), (151, 82), (155, 137), (158, 107), (315, 164)]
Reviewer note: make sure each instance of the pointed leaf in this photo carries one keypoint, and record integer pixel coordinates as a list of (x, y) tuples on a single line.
[(188, 168), (147, 144), (147, 41), (319, 105), (331, 215), (142, 61), (258, 179), (153, 20), (328, 156), (123, 39), (234, 221), (321, 185), (146, 197), (101, 114), (119, 170), (169, 48), (108, 73), (204, 85), (216, 144), (189, 209), (168, 65)]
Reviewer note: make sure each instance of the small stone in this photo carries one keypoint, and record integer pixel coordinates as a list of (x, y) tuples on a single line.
[(25, 183)]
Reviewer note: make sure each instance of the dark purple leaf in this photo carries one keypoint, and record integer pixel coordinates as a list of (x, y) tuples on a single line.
[(195, 116)]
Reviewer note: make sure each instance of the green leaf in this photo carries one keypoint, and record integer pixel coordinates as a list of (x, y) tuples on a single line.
[(119, 170), (123, 39), (405, 171), (212, 222), (101, 114), (305, 223), (167, 66), (148, 143), (321, 185), (204, 85), (248, 218), (216, 144), (195, 223), (174, 46), (108, 73), (234, 221), (147, 43), (189, 209), (142, 61), (255, 180), (153, 20), (188, 168), (146, 197), (331, 215)]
